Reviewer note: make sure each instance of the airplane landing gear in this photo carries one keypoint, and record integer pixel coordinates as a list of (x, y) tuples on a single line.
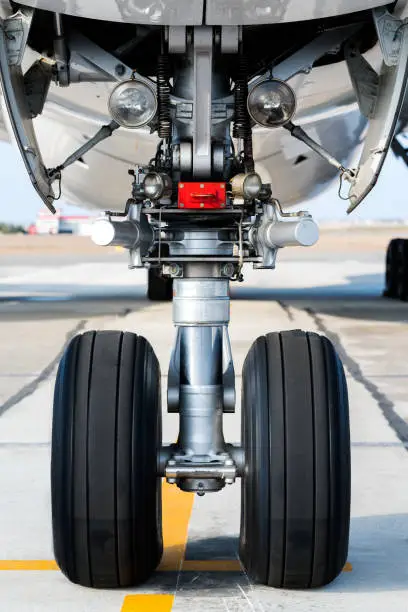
[(396, 270), (107, 459), (199, 213), (159, 288)]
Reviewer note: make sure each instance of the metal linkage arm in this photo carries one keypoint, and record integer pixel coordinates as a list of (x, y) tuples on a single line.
[(304, 59), (300, 134), (105, 132)]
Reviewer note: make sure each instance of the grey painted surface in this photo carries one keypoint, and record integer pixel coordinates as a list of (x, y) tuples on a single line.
[(190, 12), (238, 12), (154, 12)]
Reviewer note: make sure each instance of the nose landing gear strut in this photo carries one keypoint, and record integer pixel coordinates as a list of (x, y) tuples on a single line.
[(107, 458)]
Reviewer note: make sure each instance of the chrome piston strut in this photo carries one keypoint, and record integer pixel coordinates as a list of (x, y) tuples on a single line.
[(200, 380)]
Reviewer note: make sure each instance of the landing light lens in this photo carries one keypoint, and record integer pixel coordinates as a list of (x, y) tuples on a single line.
[(252, 185), (133, 104), (247, 186), (272, 103), (157, 186)]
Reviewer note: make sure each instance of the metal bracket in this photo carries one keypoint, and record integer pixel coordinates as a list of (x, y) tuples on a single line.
[(365, 80), (37, 81), (230, 39), (389, 31), (86, 55), (203, 59), (256, 236), (177, 39), (16, 29), (13, 39), (381, 128), (146, 236), (302, 61), (399, 150), (228, 376)]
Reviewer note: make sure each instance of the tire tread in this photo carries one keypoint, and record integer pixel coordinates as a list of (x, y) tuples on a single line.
[(105, 492), (295, 405)]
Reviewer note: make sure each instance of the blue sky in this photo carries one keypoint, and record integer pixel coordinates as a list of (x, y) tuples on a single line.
[(389, 200)]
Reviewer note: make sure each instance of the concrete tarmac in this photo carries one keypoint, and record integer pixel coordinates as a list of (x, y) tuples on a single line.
[(44, 302)]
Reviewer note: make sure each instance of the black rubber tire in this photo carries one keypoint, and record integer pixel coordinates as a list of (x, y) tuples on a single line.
[(402, 270), (106, 496), (295, 511), (392, 265), (159, 288)]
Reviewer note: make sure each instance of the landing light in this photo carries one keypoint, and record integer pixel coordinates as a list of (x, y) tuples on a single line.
[(247, 186), (272, 103), (133, 104), (157, 185)]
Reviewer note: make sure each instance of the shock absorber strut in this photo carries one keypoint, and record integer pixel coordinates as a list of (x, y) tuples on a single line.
[(163, 96), (242, 123)]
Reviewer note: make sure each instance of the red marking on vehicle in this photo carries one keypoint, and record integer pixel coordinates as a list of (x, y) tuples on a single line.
[(202, 195)]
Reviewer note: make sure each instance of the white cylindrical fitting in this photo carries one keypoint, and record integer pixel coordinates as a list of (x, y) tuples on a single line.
[(116, 233), (303, 232)]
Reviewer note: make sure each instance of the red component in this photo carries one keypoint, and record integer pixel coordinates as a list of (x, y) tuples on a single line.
[(202, 195)]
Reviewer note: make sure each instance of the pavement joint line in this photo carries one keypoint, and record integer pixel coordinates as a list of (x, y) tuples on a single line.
[(33, 385), (387, 407), (26, 375), (21, 445)]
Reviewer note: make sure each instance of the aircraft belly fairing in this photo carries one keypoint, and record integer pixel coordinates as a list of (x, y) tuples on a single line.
[(198, 12)]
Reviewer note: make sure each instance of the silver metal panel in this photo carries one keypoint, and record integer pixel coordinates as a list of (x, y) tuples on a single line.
[(245, 12), (15, 110), (381, 129), (154, 12), (5, 9), (201, 301), (203, 65)]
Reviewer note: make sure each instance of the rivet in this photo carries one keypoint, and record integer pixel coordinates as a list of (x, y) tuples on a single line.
[(202, 186), (202, 204)]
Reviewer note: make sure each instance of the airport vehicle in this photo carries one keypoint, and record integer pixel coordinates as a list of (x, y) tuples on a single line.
[(227, 114)]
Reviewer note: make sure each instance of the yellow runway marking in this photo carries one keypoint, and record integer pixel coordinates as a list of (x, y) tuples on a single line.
[(229, 565), (27, 566), (177, 508), (148, 603)]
